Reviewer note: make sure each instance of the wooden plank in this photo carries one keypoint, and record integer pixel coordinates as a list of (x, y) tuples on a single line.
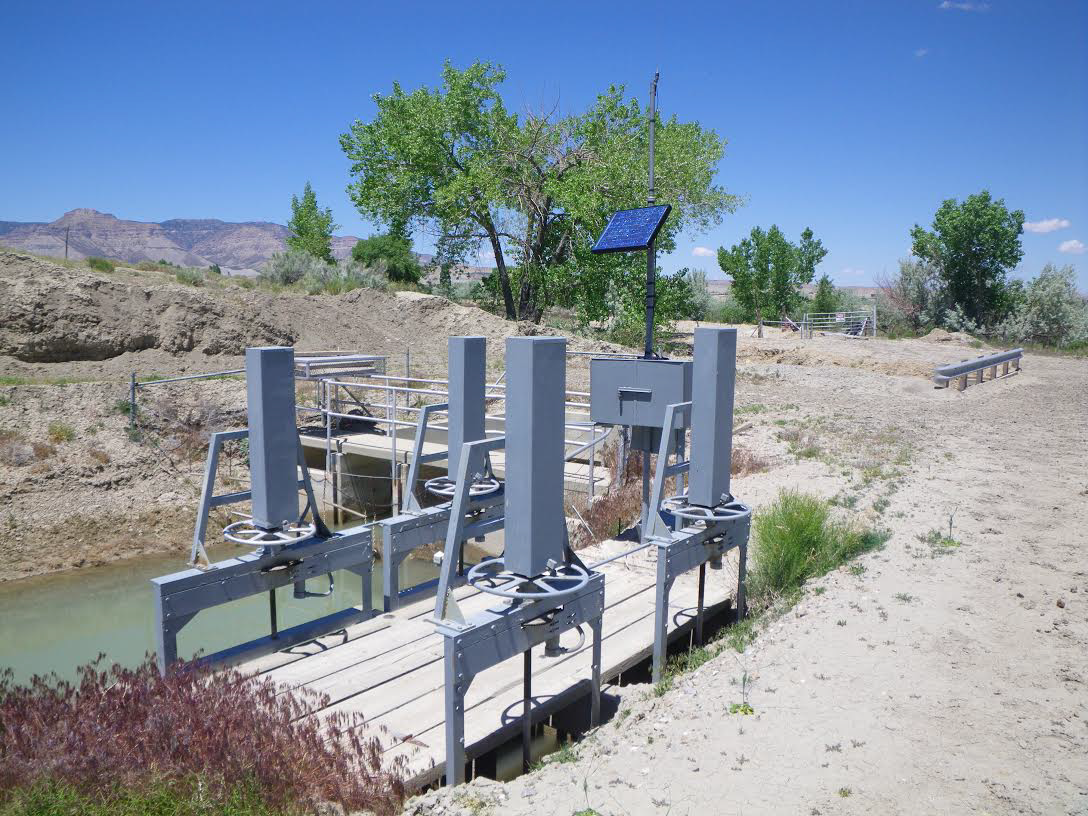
[(627, 631), (417, 693), (484, 717), (390, 669)]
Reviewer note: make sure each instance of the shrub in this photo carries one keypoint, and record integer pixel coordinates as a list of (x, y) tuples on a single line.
[(336, 279), (731, 311), (744, 461), (120, 734), (390, 253), (698, 305), (101, 264), (61, 432), (913, 300), (14, 449), (796, 539), (1050, 311), (287, 268), (190, 277)]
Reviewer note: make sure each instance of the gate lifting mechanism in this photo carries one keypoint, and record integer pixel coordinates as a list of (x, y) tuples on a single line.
[(417, 526), (706, 520), (291, 547), (545, 588)]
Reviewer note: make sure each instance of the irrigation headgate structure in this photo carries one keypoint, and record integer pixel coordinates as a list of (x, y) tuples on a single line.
[(542, 589)]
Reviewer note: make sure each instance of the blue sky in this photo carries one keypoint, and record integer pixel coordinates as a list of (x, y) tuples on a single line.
[(855, 118)]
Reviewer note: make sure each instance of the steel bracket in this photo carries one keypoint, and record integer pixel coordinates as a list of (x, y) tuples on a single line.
[(180, 596), (505, 631)]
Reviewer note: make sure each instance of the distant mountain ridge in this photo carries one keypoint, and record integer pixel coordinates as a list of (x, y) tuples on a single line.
[(237, 247)]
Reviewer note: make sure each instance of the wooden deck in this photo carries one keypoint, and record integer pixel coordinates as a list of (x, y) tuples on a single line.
[(390, 668)]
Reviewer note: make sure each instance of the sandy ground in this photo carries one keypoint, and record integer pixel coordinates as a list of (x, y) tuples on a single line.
[(922, 680)]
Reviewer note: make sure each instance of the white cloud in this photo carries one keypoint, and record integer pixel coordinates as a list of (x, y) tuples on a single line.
[(921, 52), (850, 272), (704, 252), (1046, 225), (1072, 247), (947, 5)]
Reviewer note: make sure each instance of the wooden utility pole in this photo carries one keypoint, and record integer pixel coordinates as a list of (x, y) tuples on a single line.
[(66, 231)]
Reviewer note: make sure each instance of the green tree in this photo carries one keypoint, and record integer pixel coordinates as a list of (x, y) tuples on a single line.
[(826, 298), (310, 228), (536, 190), (973, 246), (392, 252), (768, 271)]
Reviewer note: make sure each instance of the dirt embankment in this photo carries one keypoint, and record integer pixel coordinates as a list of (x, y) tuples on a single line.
[(75, 488)]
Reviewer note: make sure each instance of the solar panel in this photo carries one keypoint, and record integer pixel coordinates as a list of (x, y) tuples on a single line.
[(632, 229)]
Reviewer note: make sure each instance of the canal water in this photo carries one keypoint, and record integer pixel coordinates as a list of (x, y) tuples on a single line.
[(55, 623)]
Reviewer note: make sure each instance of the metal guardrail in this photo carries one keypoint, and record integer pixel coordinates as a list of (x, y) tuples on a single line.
[(944, 374)]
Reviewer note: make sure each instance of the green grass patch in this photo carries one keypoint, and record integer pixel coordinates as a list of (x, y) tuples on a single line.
[(101, 264), (61, 432), (9, 380), (939, 543), (190, 277), (797, 539), (188, 798)]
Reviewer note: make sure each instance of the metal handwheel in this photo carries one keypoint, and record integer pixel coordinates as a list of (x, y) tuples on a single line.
[(245, 532), (728, 510), (490, 577), (445, 487)]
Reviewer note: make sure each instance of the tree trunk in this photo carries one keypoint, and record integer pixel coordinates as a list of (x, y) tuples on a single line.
[(504, 275)]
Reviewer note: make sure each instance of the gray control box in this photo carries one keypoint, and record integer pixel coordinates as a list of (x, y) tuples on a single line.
[(636, 392)]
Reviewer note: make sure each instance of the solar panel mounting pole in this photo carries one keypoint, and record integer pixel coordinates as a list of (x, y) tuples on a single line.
[(651, 296), (651, 277)]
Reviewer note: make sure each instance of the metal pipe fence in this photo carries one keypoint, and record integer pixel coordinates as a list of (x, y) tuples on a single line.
[(343, 378), (856, 323)]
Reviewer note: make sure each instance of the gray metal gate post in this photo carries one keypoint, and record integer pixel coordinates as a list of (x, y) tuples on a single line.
[(417, 526), (547, 590), (288, 549), (710, 521)]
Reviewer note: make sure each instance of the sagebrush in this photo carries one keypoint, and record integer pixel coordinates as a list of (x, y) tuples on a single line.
[(121, 732)]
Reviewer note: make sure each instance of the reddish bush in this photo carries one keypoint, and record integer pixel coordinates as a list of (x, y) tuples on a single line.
[(133, 729)]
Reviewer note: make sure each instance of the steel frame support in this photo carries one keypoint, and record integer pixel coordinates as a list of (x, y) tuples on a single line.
[(685, 550), (407, 532), (180, 596), (677, 419), (501, 633), (461, 527)]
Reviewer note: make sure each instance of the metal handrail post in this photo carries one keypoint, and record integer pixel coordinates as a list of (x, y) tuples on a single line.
[(132, 401)]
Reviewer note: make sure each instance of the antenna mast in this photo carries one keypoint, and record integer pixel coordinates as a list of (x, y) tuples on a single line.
[(651, 255)]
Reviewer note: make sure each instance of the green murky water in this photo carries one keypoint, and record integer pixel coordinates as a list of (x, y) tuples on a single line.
[(54, 623)]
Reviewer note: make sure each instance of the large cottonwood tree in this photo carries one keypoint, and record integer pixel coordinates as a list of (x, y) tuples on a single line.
[(535, 189)]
